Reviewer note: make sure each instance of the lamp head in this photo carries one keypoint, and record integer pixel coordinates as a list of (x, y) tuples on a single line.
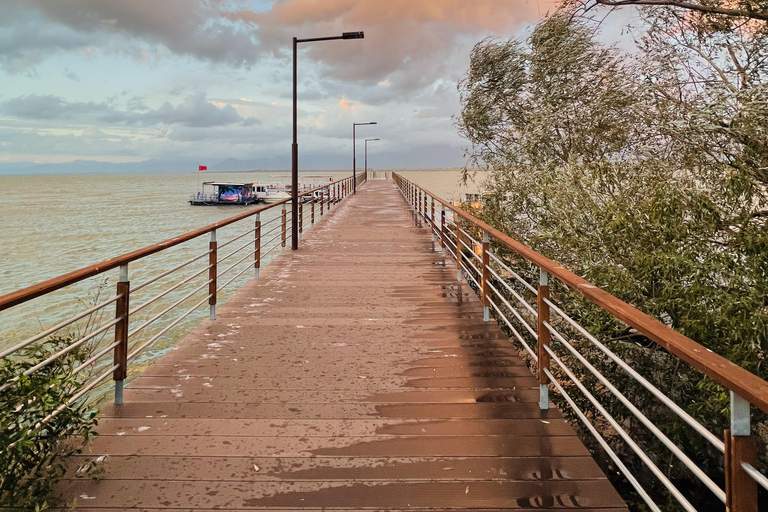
[(352, 35)]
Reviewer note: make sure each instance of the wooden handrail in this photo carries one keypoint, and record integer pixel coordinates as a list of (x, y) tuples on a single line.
[(744, 383), (26, 294)]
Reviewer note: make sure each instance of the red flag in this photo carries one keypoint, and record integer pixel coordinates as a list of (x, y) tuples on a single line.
[(202, 167)]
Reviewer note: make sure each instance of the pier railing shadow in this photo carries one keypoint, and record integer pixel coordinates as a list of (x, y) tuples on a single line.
[(568, 358)]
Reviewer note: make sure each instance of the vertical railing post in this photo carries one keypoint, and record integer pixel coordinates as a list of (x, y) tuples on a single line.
[(740, 488), (484, 279), (419, 214), (312, 217), (321, 204), (458, 248), (301, 217), (442, 228), (257, 246), (122, 306), (432, 223), (543, 339), (285, 222), (213, 261)]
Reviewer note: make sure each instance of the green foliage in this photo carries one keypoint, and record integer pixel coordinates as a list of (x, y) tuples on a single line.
[(33, 441), (645, 175)]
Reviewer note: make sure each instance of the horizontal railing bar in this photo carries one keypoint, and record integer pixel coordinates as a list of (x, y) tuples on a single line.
[(168, 290), (276, 237), (134, 289), (247, 255), (243, 271), (755, 474), (513, 292), (469, 262), (514, 311), (515, 274), (249, 243), (71, 347), (25, 294), (267, 232), (711, 485), (465, 261), (252, 230), (612, 454), (80, 393), (95, 357), (138, 350), (69, 402), (450, 250), (276, 246), (151, 320), (464, 232), (514, 331), (470, 249), (698, 427), (747, 385), (57, 327), (626, 437), (270, 221), (469, 275)]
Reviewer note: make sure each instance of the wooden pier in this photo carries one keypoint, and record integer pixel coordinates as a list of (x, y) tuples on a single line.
[(356, 373)]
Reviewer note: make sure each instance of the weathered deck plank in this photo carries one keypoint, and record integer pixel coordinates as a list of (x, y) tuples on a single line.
[(356, 374)]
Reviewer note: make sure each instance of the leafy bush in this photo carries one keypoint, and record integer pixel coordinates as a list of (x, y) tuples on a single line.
[(34, 436)]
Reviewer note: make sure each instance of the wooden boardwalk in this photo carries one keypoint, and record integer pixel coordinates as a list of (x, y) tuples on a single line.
[(355, 374)]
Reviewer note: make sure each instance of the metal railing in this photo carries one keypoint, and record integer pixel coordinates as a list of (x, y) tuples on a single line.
[(224, 262), (549, 336)]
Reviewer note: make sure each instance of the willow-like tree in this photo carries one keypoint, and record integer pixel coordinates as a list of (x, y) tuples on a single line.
[(645, 174)]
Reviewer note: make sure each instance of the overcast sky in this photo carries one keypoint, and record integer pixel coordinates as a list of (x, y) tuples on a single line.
[(129, 80)]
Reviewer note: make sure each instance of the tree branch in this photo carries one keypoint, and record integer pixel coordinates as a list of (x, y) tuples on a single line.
[(709, 9)]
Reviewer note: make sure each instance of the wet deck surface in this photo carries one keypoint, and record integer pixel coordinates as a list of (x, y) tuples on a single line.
[(355, 374)]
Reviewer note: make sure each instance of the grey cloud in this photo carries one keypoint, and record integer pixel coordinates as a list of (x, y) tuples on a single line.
[(71, 75), (49, 107), (410, 42), (194, 111), (182, 26), (26, 38)]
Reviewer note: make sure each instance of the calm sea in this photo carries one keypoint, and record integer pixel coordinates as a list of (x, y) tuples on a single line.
[(54, 224)]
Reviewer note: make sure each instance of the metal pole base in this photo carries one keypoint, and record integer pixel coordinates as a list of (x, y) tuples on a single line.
[(213, 312), (256, 273), (458, 275), (486, 314), (543, 397), (119, 392)]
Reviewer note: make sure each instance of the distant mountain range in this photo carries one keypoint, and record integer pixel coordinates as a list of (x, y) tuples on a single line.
[(422, 158)]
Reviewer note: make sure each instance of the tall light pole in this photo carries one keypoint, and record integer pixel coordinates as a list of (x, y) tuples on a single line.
[(354, 156), (366, 156), (295, 146)]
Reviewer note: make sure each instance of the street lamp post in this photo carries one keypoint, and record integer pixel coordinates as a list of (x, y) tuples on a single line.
[(354, 156), (366, 156), (295, 146)]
